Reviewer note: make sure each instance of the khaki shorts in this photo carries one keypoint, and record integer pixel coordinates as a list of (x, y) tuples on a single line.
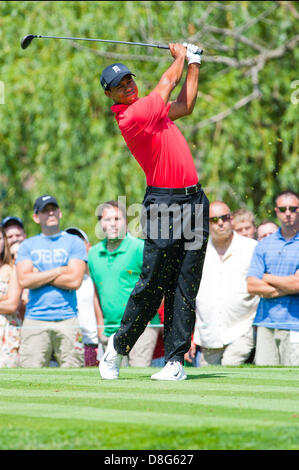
[(233, 354), (142, 352), (40, 339), (276, 347)]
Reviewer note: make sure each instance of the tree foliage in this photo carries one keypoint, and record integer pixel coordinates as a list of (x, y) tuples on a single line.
[(59, 136)]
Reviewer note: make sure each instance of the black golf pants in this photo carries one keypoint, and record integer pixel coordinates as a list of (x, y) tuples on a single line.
[(176, 229)]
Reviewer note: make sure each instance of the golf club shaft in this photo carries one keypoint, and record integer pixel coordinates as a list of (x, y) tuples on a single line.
[(26, 41), (103, 40)]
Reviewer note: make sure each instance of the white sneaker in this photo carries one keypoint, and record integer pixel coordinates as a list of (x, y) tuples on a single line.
[(110, 362), (173, 370)]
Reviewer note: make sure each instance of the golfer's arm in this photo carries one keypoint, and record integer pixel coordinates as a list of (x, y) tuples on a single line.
[(170, 78), (256, 286), (185, 102), (72, 277), (10, 304), (32, 279), (288, 284)]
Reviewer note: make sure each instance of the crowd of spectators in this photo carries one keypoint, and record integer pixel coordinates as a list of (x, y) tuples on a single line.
[(62, 298)]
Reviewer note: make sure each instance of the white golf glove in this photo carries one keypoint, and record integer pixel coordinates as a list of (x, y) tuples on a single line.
[(192, 56)]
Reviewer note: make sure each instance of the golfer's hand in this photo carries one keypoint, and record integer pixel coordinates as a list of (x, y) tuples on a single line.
[(177, 50), (192, 55)]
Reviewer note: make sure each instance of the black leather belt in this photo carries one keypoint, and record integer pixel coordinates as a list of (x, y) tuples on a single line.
[(188, 190)]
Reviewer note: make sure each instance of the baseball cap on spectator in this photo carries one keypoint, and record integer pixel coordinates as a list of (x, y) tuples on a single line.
[(12, 220), (78, 232), (42, 201), (112, 75)]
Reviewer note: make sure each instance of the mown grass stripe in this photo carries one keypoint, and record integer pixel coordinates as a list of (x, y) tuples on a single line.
[(225, 389), (249, 402), (170, 420), (215, 373)]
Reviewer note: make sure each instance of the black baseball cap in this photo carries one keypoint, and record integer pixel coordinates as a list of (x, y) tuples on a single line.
[(112, 75), (77, 231), (42, 201), (12, 220)]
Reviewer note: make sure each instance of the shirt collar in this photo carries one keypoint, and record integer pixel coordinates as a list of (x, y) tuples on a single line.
[(120, 249), (118, 108), (55, 235), (278, 235), (234, 246)]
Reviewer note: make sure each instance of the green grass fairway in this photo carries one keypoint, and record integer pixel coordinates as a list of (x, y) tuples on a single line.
[(215, 408)]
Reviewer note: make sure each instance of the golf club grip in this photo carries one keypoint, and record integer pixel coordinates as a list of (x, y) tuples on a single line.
[(199, 51)]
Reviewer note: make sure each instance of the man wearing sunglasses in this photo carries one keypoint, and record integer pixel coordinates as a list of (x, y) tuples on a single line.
[(224, 309), (274, 276)]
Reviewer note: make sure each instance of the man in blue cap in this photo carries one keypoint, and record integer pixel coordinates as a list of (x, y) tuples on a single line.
[(51, 265), (14, 229)]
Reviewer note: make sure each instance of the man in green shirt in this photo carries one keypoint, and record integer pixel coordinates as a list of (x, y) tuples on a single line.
[(115, 266)]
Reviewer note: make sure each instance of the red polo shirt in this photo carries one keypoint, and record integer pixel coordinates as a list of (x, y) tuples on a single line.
[(155, 141)]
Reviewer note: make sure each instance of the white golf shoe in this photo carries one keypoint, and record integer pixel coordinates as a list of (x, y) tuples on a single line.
[(110, 362), (173, 370)]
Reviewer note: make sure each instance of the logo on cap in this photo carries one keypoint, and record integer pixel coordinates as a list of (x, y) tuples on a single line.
[(42, 201), (116, 68), (112, 75)]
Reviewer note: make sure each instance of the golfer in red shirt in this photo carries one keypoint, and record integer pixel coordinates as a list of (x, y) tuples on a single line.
[(175, 210)]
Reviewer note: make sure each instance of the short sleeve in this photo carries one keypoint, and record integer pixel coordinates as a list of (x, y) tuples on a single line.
[(257, 264), (78, 250), (23, 252)]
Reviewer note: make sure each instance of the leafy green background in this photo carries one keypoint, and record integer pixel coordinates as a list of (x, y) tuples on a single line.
[(59, 136)]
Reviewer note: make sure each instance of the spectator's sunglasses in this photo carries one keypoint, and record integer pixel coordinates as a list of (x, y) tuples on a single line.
[(224, 218), (285, 208)]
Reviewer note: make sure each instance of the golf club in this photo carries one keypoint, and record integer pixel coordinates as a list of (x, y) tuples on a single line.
[(26, 41)]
